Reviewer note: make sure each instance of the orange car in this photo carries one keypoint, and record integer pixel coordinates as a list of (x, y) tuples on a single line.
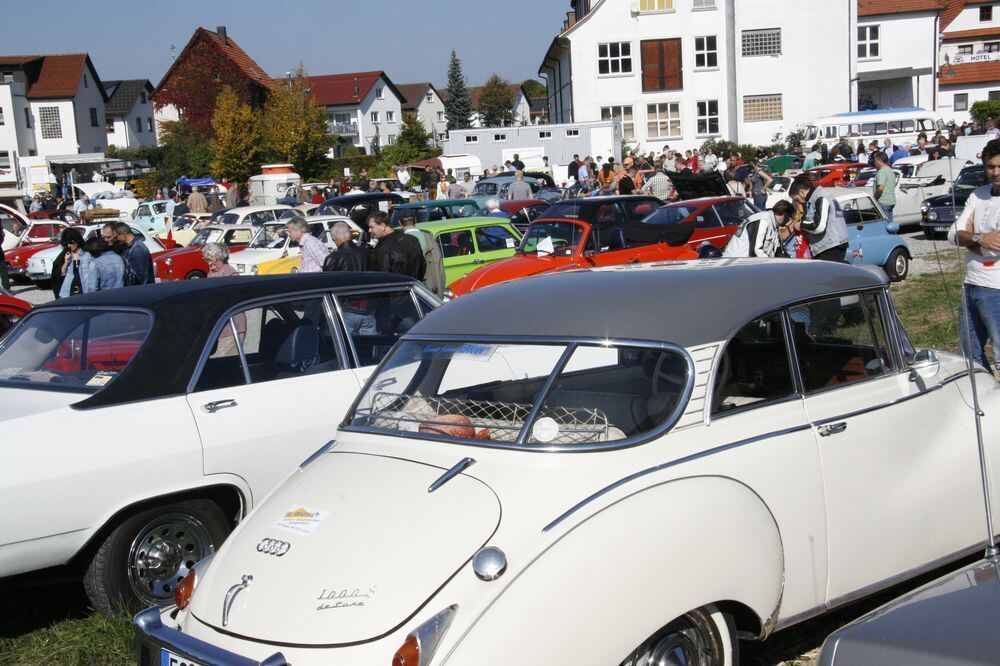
[(838, 174), (564, 244)]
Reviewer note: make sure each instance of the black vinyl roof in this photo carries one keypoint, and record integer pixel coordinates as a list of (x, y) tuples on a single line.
[(185, 312), (685, 303)]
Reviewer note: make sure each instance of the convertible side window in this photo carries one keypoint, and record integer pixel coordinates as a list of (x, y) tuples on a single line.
[(839, 341), (754, 368), (375, 321)]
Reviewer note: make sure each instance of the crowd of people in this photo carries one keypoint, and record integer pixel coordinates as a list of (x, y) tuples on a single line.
[(114, 258)]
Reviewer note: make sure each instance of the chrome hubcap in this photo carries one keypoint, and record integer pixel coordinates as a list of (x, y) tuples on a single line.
[(677, 649), (163, 553), (900, 264)]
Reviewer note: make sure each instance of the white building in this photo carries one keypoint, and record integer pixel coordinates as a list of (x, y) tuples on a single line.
[(678, 72), (970, 57), (51, 117), (897, 53), (424, 101), (129, 113), (363, 108), (520, 110)]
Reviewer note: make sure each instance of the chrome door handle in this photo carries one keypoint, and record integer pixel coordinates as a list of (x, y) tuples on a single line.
[(213, 407), (831, 428), (479, 261)]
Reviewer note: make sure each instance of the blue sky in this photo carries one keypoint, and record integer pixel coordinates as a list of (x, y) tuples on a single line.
[(410, 39)]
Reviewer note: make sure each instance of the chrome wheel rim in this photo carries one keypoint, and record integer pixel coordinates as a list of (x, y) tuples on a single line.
[(162, 554), (679, 648), (901, 265)]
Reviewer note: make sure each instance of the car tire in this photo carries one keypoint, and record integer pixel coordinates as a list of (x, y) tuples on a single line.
[(195, 275), (124, 575), (897, 266), (702, 637)]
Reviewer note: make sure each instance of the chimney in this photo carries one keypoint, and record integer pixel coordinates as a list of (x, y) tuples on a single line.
[(356, 86), (221, 32)]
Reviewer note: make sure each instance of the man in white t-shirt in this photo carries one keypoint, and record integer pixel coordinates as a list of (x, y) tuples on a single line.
[(978, 230)]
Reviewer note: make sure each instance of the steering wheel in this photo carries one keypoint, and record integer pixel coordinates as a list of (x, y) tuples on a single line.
[(662, 378)]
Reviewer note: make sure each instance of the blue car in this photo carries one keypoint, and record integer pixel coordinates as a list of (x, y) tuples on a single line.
[(873, 240)]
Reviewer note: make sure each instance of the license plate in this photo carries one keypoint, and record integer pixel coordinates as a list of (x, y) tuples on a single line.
[(168, 658)]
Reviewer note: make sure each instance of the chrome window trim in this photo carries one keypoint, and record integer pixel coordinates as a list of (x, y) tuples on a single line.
[(335, 330), (240, 350), (569, 342), (350, 341)]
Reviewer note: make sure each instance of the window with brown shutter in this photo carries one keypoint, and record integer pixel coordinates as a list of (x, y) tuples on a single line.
[(661, 64)]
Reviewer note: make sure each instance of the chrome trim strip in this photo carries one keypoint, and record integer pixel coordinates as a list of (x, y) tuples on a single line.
[(336, 333), (559, 366), (151, 636), (672, 463), (239, 346), (896, 401), (880, 585), (451, 473), (341, 326)]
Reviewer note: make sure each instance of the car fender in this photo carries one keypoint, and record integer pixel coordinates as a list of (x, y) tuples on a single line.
[(663, 550)]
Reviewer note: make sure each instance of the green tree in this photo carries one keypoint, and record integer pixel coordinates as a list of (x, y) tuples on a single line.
[(496, 103), (237, 138), (458, 106), (409, 147), (184, 150), (984, 110), (293, 127), (412, 133), (534, 88)]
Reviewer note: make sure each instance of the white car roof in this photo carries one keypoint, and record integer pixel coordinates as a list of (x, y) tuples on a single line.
[(245, 210)]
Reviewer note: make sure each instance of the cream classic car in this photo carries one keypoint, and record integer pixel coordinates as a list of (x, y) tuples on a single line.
[(271, 242), (528, 479)]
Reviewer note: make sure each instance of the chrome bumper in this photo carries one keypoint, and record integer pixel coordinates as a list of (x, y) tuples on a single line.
[(151, 636)]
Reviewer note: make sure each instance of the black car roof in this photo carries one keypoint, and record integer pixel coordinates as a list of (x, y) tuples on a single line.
[(685, 303), (185, 312), (362, 197)]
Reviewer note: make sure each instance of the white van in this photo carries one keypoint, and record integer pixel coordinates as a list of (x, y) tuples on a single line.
[(898, 125)]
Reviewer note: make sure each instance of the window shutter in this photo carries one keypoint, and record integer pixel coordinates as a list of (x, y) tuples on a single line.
[(651, 65), (672, 75), (661, 64)]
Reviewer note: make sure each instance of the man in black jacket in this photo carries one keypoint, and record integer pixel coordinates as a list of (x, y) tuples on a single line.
[(349, 256), (396, 252), (138, 263)]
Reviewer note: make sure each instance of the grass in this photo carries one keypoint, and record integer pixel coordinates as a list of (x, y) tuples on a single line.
[(46, 624)]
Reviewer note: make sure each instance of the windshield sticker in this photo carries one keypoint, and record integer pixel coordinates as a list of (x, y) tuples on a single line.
[(455, 351), (301, 520), (510, 242), (101, 378), (545, 245), (345, 598), (545, 430)]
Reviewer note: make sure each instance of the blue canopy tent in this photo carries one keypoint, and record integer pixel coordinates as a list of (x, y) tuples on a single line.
[(188, 183)]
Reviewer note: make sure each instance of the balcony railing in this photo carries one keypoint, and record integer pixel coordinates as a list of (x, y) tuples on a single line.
[(342, 129)]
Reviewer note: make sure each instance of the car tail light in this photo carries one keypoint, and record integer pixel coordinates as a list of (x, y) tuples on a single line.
[(184, 590), (420, 645)]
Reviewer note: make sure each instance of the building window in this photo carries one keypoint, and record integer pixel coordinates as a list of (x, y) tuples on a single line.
[(93, 117), (472, 138), (109, 124), (991, 47), (656, 5), (706, 54), (614, 58), (993, 95), (546, 134), (138, 125), (149, 124), (661, 64), (85, 85), (4, 159), (499, 137), (374, 116), (961, 102), (2, 122), (49, 122), (986, 13), (572, 132), (965, 50), (868, 41), (440, 116), (429, 96), (8, 77), (390, 116), (380, 93), (624, 114), (392, 139), (703, 4), (708, 117), (142, 97), (663, 121), (762, 107), (27, 117), (762, 42)]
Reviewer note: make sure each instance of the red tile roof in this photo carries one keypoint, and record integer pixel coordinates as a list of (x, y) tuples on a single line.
[(55, 76), (238, 56), (346, 89), (955, 8), (412, 94), (971, 34), (973, 72), (877, 7)]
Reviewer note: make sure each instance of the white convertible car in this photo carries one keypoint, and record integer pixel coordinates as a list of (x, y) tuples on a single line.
[(549, 472), (139, 424), (271, 242)]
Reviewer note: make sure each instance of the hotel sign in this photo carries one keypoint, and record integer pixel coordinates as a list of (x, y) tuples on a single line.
[(978, 57)]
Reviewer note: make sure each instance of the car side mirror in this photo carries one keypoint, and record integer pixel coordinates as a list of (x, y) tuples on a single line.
[(892, 227), (925, 365)]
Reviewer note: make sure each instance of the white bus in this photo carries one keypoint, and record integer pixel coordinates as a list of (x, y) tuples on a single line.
[(898, 125)]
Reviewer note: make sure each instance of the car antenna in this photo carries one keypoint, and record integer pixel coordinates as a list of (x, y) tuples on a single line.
[(991, 541)]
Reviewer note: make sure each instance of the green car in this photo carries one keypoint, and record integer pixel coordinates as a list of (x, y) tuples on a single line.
[(432, 211), (471, 242)]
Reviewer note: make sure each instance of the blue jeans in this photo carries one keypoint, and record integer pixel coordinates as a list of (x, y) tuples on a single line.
[(983, 318), (887, 209), (760, 200)]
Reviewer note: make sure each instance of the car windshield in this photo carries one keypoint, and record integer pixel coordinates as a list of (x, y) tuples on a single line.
[(269, 236), (506, 392), (671, 215), (970, 179), (421, 214), (228, 218), (159, 207), (206, 236), (571, 210), (329, 209), (548, 237), (79, 350), (485, 189)]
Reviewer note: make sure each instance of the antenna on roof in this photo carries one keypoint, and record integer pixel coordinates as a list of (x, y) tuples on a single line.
[(355, 86), (173, 52)]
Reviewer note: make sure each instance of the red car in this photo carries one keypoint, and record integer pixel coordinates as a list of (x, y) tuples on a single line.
[(715, 219), (186, 263), (11, 310), (838, 174), (67, 216), (17, 259), (522, 213)]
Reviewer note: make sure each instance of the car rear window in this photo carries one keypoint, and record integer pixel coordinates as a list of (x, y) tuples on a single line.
[(81, 350), (671, 215)]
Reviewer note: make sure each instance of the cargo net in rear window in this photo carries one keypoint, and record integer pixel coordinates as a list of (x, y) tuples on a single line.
[(484, 419)]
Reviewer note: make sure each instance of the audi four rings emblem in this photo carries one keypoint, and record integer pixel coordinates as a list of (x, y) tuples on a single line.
[(273, 547)]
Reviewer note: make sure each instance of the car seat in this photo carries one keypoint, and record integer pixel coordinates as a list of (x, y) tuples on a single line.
[(299, 351)]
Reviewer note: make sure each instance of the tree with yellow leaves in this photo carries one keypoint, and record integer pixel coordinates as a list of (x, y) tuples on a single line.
[(237, 138), (294, 128)]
